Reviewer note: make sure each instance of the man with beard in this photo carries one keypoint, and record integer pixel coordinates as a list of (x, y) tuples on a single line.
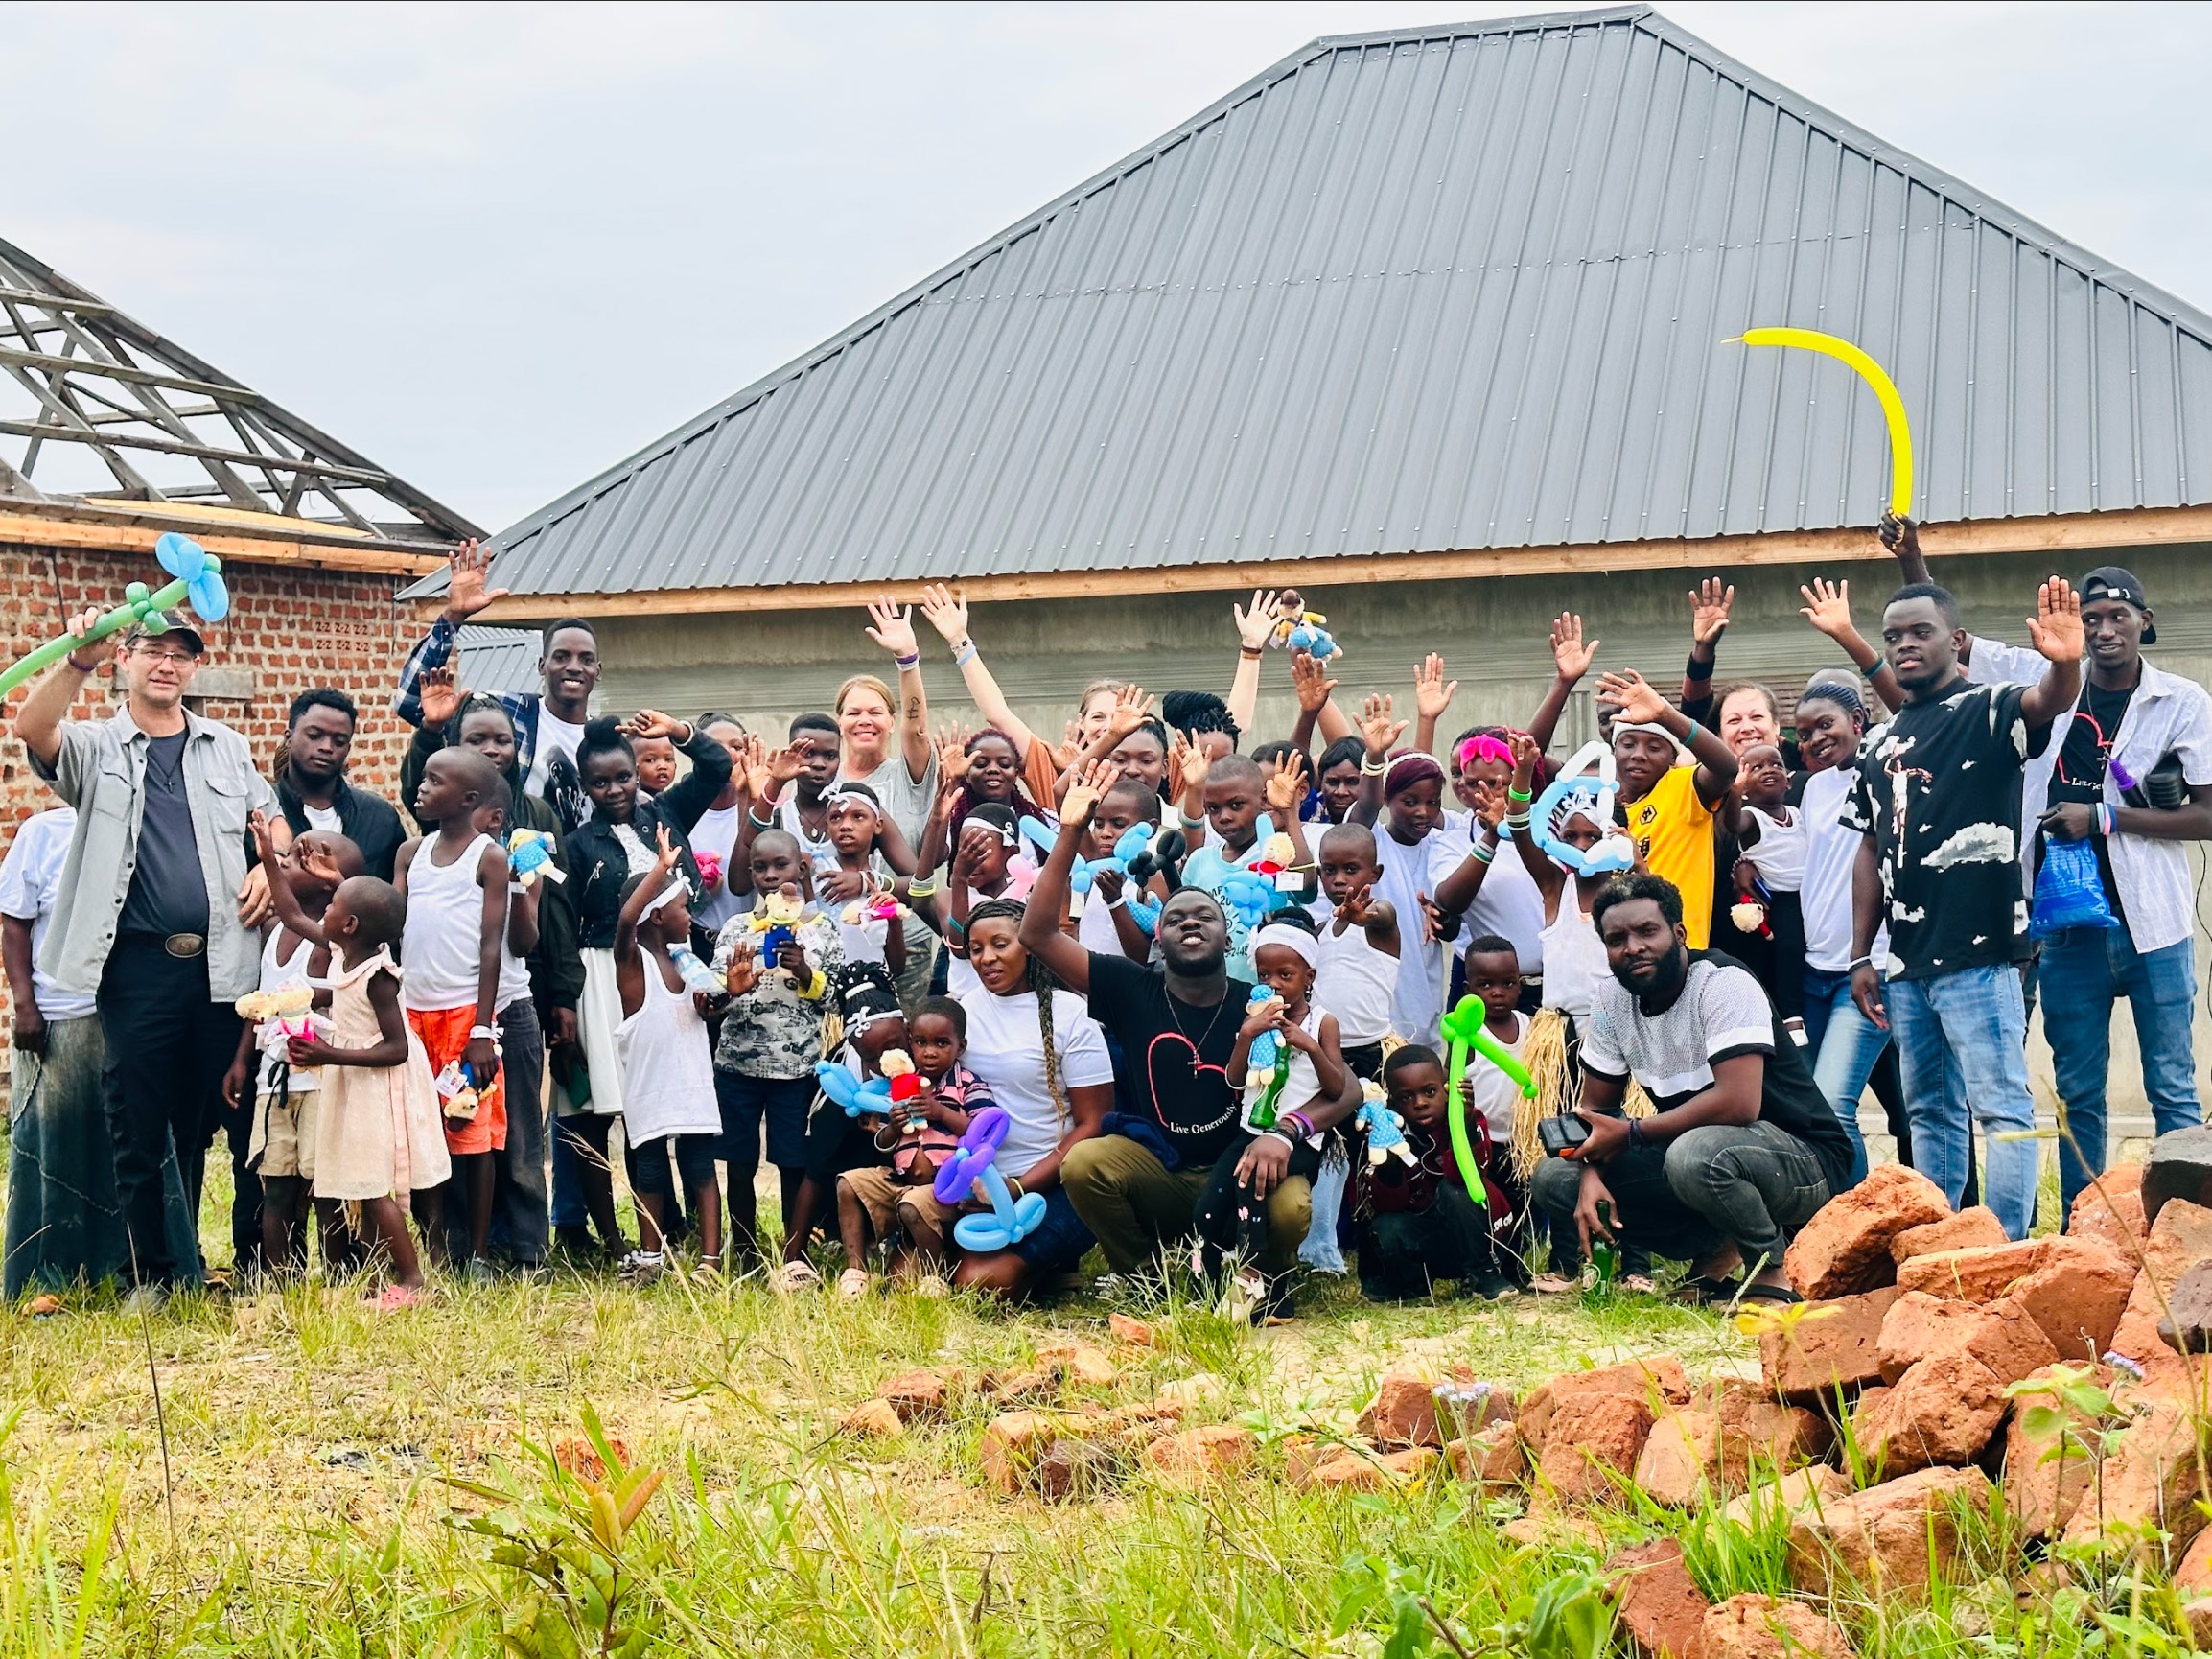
[(547, 726), (1938, 808), (1742, 1148), (1138, 1187)]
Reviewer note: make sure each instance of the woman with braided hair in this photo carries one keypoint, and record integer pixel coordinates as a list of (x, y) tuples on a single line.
[(1033, 1043)]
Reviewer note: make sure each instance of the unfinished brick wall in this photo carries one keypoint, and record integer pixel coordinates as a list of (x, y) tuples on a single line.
[(289, 628)]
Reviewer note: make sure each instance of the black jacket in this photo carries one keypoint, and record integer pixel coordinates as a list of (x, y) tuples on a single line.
[(368, 821), (597, 865), (556, 970)]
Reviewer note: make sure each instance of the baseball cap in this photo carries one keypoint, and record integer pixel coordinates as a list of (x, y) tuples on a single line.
[(168, 624), (2111, 582)]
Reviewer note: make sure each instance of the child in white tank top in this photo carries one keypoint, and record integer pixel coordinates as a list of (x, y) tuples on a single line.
[(1359, 945)]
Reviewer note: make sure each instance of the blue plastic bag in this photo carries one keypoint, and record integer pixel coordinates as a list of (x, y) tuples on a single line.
[(2069, 890)]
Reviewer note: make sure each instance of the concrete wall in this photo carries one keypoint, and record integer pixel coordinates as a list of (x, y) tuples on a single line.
[(765, 667)]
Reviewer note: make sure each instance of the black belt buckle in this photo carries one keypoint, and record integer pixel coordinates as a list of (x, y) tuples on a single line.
[(185, 945)]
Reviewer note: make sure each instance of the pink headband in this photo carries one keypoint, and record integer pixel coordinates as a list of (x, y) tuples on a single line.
[(1484, 747)]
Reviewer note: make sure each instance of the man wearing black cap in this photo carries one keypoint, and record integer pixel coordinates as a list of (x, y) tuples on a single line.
[(2132, 720), (158, 910)]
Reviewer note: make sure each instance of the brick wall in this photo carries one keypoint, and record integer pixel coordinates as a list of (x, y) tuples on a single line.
[(289, 628)]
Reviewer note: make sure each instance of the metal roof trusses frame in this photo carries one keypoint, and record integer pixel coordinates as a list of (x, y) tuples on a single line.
[(98, 382)]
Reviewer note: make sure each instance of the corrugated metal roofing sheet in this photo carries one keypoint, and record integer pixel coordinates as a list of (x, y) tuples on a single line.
[(496, 660), (1441, 289)]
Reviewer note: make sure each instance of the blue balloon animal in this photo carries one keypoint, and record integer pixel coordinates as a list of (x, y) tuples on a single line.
[(869, 1099), (1010, 1220), (1084, 872)]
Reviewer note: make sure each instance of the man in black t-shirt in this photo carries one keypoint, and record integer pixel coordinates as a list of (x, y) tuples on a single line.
[(1176, 1026), (1938, 806)]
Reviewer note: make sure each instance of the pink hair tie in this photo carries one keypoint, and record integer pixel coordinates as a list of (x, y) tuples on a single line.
[(1484, 747)]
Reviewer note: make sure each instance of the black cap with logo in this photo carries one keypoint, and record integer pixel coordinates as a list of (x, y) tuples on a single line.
[(2111, 582)]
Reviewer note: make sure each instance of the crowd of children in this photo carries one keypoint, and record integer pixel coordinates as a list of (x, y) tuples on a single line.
[(1154, 988)]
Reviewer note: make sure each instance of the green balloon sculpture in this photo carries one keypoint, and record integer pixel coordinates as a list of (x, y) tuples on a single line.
[(1463, 1030), (198, 582)]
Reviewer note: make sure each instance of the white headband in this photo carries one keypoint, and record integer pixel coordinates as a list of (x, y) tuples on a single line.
[(1295, 939), (1651, 726), (676, 885)]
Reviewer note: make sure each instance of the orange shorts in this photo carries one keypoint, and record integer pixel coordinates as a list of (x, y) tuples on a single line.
[(445, 1038)]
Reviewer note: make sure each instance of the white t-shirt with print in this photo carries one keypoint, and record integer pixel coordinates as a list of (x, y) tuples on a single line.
[(30, 880), (1006, 1050), (555, 736)]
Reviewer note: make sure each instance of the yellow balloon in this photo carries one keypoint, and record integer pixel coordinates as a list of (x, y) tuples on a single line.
[(1885, 389)]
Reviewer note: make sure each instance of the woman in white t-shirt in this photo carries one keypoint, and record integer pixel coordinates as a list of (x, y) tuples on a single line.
[(1045, 1062)]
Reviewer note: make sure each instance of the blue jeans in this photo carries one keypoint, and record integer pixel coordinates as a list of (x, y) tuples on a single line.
[(1844, 1046), (2084, 970), (1961, 1038)]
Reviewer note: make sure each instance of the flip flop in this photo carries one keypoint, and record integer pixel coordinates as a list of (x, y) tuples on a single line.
[(397, 1299), (1706, 1290), (1758, 1292)]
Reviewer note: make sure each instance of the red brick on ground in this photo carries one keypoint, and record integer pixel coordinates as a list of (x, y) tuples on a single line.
[(1493, 1458), (2110, 1211), (914, 1395), (1681, 1459), (1832, 1345), (1845, 1249), (1981, 1274), (2152, 1481), (1770, 1627), (1659, 1607), (1013, 1445), (1889, 1538), (1590, 1447), (1203, 1452), (2077, 1293), (2002, 1335), (1403, 1412), (1968, 1229), (1658, 1382), (2043, 1490), (1941, 1411)]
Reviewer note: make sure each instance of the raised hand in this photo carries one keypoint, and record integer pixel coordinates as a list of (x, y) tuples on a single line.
[(652, 723), (257, 826), (441, 699), (946, 611), (952, 758), (1285, 783), (1132, 709), (1256, 625), (1358, 904), (743, 973), (1528, 759), (665, 852), (1431, 695), (1568, 651), (1631, 696), (893, 628), (314, 858), (1069, 746), (779, 766), (1828, 606), (1187, 762), (1084, 794), (1380, 732), (1709, 607), (468, 567), (2056, 628), (1311, 681)]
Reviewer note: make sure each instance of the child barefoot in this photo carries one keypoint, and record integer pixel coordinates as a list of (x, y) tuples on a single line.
[(667, 1065), (1308, 1071), (281, 1150), (878, 1203), (455, 886), (379, 1137), (1359, 968)]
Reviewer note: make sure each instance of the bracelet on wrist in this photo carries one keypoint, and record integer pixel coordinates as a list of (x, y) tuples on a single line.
[(1521, 796), (964, 656), (1482, 852), (913, 661), (81, 667), (1858, 961), (1695, 670), (488, 1033), (1636, 1132), (1517, 822), (1689, 738), (1251, 653), (2104, 820), (1372, 768)]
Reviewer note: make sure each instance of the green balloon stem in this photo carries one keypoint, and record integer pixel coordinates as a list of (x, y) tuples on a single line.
[(1463, 1029), (114, 623)]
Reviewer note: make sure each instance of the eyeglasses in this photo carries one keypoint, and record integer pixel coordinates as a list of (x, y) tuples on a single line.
[(154, 653)]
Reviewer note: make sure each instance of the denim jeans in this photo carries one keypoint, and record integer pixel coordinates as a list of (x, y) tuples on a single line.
[(1844, 1046), (1752, 1186), (1961, 1038), (2084, 970)]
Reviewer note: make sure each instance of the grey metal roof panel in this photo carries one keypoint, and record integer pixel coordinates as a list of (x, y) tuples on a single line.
[(496, 660), (1437, 288)]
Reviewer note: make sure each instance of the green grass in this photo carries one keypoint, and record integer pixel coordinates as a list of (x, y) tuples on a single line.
[(346, 1484)]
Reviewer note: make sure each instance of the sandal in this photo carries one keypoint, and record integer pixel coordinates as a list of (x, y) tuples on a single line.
[(1706, 1290), (853, 1283), (1759, 1293), (1640, 1285), (396, 1298), (795, 1276), (1552, 1285)]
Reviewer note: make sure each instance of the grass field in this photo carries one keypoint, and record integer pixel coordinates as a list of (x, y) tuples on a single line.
[(313, 1450)]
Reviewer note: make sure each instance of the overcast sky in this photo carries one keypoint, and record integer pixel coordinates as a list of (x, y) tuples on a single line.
[(498, 249)]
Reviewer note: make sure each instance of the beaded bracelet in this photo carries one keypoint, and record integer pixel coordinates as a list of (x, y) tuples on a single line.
[(907, 663), (1483, 852), (1517, 822), (2104, 820)]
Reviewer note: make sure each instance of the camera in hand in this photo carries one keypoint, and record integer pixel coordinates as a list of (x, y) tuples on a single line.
[(1562, 1134)]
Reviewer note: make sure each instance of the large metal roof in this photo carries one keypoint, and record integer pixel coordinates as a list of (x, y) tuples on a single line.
[(1443, 289)]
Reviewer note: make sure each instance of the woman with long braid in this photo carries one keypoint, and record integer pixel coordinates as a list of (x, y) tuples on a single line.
[(1033, 1043)]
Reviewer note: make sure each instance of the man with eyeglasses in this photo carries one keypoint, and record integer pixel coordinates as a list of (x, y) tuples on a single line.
[(158, 910)]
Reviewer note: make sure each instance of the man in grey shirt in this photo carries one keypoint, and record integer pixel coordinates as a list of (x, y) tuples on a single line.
[(158, 912)]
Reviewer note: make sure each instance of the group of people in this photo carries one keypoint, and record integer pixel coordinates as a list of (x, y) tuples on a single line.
[(1191, 998)]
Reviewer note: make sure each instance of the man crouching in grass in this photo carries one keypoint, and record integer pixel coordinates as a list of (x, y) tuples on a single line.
[(1742, 1148)]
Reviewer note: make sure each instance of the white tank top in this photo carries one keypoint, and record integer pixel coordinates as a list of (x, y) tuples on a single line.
[(1573, 958), (667, 1065), (445, 929), (277, 974), (1355, 982)]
